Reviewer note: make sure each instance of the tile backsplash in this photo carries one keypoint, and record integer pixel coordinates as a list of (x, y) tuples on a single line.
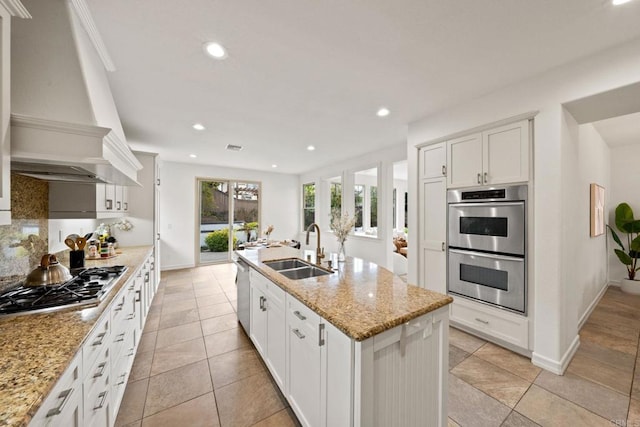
[(24, 241)]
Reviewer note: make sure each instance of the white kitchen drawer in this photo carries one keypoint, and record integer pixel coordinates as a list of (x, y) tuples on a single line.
[(301, 316), (97, 393), (502, 325), (96, 340), (63, 405), (258, 280)]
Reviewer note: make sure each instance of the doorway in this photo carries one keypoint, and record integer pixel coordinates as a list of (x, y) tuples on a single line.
[(229, 217)]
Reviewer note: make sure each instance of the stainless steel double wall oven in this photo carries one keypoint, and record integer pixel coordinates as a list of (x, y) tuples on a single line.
[(487, 245)]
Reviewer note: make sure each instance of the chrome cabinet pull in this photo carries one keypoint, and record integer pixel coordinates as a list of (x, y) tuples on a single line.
[(300, 316), (108, 204), (479, 179), (486, 322), (444, 170), (126, 206), (486, 177), (102, 396), (99, 339), (100, 370), (119, 205), (443, 247), (118, 307), (299, 334), (321, 335), (263, 300), (137, 296), (119, 337), (64, 395)]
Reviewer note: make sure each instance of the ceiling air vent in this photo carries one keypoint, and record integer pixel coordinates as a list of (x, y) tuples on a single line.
[(232, 147)]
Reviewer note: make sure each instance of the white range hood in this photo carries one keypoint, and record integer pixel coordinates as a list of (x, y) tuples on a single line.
[(63, 113)]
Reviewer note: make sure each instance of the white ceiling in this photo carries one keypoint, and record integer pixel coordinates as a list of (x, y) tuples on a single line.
[(620, 131), (303, 72)]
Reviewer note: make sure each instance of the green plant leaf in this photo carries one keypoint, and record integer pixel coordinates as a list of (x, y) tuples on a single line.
[(623, 257), (615, 237), (632, 226), (624, 214), (635, 245)]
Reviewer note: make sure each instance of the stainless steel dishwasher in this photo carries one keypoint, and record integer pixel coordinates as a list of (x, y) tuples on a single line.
[(244, 293)]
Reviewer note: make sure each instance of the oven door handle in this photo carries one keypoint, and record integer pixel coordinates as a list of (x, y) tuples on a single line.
[(486, 204), (486, 255)]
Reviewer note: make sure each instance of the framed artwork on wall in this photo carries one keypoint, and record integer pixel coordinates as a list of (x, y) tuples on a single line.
[(597, 210)]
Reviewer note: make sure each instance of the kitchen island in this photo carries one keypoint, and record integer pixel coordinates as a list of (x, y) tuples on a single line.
[(36, 349), (355, 347)]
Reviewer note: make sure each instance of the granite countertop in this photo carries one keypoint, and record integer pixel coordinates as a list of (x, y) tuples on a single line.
[(361, 299), (35, 349)]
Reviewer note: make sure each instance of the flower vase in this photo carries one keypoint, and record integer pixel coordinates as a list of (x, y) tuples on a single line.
[(341, 252)]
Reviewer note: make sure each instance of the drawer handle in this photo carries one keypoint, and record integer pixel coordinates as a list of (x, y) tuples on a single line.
[(130, 288), (262, 301), (102, 397), (137, 296), (486, 322), (119, 337), (444, 170), (119, 306), (443, 247), (131, 316), (64, 395), (122, 379), (479, 179), (300, 316), (126, 206), (108, 204), (119, 205), (131, 352), (486, 177), (321, 335), (99, 339), (100, 370), (299, 334)]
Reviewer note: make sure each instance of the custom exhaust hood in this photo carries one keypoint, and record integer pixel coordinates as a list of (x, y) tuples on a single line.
[(64, 122)]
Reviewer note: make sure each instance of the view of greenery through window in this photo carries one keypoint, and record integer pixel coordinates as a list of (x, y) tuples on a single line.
[(336, 196), (309, 204), (358, 192), (216, 220), (374, 207)]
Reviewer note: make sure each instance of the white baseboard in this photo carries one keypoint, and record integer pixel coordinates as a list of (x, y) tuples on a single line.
[(592, 306), (176, 267), (554, 366)]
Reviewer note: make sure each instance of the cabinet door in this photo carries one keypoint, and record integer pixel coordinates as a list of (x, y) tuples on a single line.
[(118, 189), (125, 198), (304, 372), (109, 198), (465, 161), (506, 154), (5, 110), (276, 334), (258, 326), (433, 161), (433, 233)]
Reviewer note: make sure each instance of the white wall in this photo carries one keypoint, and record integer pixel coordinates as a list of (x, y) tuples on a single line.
[(59, 229), (280, 206), (375, 249), (625, 178), (554, 333), (401, 186), (586, 160)]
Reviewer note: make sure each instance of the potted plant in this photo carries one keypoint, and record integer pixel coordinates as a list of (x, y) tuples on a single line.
[(627, 224)]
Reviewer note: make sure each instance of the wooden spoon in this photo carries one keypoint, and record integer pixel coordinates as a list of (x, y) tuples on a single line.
[(70, 243), (81, 242)]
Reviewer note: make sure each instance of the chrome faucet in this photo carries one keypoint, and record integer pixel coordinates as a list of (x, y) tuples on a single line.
[(319, 250)]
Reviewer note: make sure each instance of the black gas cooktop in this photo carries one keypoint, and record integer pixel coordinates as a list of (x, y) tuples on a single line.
[(87, 287)]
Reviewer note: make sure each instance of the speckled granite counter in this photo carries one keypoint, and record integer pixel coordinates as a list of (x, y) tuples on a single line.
[(361, 299), (35, 349)]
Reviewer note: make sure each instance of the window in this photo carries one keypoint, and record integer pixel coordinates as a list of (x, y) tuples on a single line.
[(358, 193), (373, 202), (309, 204), (336, 196)]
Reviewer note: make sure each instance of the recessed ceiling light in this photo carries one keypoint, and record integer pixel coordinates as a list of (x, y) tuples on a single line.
[(383, 112), (619, 2), (311, 147), (193, 156), (274, 166), (198, 126), (215, 50)]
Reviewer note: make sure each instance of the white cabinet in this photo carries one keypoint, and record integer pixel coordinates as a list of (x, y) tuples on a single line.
[(69, 200), (496, 156), (433, 161), (304, 345), (508, 328), (268, 327), (63, 405), (433, 220), (5, 112)]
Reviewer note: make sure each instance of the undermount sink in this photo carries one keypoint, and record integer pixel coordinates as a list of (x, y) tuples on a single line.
[(296, 269)]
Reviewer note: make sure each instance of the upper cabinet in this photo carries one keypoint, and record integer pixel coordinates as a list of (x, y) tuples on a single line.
[(433, 161), (8, 8), (68, 200), (496, 156)]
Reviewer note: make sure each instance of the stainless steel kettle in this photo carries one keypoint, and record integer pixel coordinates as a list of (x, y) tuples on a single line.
[(50, 272)]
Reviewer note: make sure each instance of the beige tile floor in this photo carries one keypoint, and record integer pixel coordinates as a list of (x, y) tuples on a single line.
[(196, 367)]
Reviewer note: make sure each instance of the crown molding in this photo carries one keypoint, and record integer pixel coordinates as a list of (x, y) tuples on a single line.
[(86, 19), (16, 8), (22, 120)]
